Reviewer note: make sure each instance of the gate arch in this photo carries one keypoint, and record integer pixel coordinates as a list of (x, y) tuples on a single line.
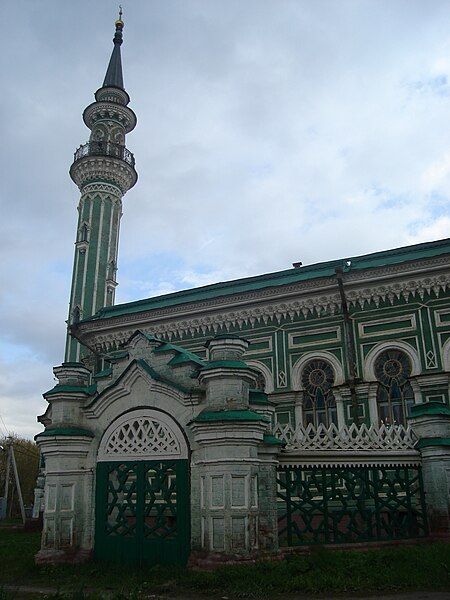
[(143, 434), (142, 490)]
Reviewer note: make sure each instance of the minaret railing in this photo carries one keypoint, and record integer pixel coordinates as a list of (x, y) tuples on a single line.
[(102, 148)]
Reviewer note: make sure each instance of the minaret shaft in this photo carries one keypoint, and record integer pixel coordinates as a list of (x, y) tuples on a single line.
[(104, 171)]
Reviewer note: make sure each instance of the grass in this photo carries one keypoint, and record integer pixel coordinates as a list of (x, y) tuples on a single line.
[(402, 568)]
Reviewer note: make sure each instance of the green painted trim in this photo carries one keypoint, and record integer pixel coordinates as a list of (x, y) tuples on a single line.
[(258, 397), (117, 355), (271, 440), (226, 336), (71, 389), (105, 373), (225, 364), (426, 442), (325, 269), (183, 355), (229, 415), (65, 431), (153, 374), (157, 377), (430, 408)]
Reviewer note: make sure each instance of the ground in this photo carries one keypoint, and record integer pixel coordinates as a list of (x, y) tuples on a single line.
[(321, 574)]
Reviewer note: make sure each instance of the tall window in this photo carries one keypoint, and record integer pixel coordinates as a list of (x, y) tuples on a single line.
[(395, 394), (319, 404)]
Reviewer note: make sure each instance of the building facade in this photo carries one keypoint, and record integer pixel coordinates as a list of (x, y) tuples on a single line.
[(305, 406)]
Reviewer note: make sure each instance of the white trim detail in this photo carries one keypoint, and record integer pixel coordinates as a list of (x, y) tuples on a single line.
[(265, 372), (355, 437), (446, 355), (369, 363), (142, 435), (296, 379)]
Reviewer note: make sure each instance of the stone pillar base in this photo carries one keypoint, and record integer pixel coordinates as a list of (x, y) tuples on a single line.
[(209, 561), (69, 556)]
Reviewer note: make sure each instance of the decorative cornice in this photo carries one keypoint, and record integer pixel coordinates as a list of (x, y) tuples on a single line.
[(100, 111), (204, 317), (102, 188), (92, 169)]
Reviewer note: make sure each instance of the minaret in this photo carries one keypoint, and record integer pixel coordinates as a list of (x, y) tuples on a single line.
[(104, 171)]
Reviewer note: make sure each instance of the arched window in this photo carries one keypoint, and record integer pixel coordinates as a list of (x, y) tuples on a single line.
[(84, 233), (319, 404), (395, 394)]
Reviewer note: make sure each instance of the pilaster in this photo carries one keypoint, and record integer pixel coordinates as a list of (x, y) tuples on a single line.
[(233, 462), (431, 424), (65, 446)]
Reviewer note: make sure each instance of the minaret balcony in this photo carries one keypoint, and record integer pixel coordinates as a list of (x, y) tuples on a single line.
[(102, 148), (100, 162)]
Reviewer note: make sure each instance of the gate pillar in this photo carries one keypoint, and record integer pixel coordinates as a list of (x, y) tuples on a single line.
[(431, 423), (66, 446), (233, 462)]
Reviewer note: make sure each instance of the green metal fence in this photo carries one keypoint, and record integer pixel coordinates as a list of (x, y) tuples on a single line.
[(331, 505)]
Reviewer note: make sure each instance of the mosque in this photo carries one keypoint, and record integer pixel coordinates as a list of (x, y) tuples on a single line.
[(230, 421)]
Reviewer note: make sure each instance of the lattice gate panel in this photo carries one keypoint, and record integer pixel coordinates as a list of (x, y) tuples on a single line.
[(329, 505)]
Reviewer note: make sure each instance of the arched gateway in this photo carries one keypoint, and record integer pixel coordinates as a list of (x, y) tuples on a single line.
[(142, 497)]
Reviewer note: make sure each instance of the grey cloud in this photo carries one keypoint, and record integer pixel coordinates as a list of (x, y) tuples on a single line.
[(267, 131)]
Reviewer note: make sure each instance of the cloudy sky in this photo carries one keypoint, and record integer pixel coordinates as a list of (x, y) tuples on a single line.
[(269, 131)]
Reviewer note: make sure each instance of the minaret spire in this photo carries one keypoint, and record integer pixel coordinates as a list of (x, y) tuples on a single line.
[(114, 77), (104, 171)]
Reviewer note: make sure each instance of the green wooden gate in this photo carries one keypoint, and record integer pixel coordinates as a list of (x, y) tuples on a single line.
[(331, 505), (142, 512)]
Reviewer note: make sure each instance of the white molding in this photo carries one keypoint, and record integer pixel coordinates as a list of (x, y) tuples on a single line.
[(387, 321), (446, 355), (313, 331), (175, 448), (369, 363), (296, 372), (124, 388)]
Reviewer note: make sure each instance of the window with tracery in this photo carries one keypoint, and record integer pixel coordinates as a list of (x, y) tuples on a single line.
[(395, 395), (319, 404)]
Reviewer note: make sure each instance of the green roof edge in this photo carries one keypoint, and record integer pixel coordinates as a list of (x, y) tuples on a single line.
[(71, 389), (65, 431), (277, 278)]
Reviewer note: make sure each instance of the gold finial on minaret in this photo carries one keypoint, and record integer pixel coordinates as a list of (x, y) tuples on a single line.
[(119, 20)]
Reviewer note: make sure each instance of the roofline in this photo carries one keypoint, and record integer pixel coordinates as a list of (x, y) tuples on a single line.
[(325, 269)]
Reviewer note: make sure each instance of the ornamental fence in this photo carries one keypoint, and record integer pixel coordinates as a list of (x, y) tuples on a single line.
[(349, 484), (353, 438)]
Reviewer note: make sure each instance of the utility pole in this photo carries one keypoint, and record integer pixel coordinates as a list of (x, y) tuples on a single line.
[(5, 495), (11, 460)]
